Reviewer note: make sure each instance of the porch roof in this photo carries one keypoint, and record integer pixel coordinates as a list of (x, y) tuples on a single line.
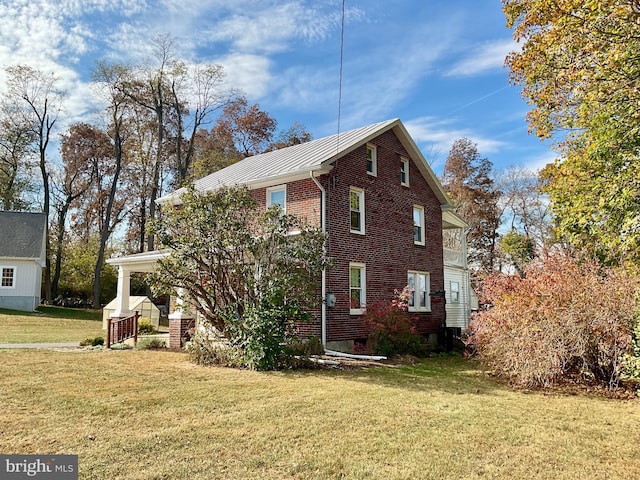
[(139, 262)]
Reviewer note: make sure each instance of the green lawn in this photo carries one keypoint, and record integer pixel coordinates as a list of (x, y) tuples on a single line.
[(50, 324), (140, 414)]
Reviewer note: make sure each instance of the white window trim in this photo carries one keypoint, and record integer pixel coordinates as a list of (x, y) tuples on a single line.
[(420, 209), (360, 193), (427, 307), (363, 281), (14, 278), (405, 163), (451, 291), (374, 160), (277, 188)]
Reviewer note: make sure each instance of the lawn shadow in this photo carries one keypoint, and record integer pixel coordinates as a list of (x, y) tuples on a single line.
[(452, 374)]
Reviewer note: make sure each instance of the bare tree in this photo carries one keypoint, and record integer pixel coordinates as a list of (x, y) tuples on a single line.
[(523, 206), (39, 101), (79, 149), (111, 79)]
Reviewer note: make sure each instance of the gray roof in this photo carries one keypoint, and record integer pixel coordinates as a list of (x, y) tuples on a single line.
[(316, 155), (22, 234)]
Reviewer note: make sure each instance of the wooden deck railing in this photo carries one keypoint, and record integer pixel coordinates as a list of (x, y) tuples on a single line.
[(121, 329)]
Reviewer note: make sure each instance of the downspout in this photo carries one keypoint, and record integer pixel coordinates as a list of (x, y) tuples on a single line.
[(323, 224)]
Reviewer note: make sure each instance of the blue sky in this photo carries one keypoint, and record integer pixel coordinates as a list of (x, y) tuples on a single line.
[(435, 64)]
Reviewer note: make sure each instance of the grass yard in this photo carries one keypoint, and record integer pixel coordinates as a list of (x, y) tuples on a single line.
[(140, 414), (50, 324)]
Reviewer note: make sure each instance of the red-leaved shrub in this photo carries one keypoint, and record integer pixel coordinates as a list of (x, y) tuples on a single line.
[(392, 330), (563, 318)]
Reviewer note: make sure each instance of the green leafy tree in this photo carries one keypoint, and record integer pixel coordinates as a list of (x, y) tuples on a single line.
[(579, 69), (519, 249), (242, 269)]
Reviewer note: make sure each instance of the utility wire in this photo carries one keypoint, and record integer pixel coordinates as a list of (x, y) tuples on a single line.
[(340, 83)]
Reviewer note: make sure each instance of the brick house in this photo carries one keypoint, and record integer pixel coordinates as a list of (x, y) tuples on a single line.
[(383, 210)]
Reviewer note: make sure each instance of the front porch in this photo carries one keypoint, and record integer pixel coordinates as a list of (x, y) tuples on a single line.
[(180, 320)]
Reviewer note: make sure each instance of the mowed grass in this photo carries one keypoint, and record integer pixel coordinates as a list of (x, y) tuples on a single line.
[(154, 415), (50, 324)]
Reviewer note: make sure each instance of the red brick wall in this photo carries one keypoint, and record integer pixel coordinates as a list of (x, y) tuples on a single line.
[(387, 247), (303, 200)]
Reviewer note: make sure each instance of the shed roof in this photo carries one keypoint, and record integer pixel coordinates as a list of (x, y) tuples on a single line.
[(22, 234), (314, 156)]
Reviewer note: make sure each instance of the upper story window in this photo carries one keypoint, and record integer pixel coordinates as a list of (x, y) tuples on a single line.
[(455, 291), (356, 207), (418, 225), (357, 288), (418, 283), (8, 277), (372, 160), (404, 171), (277, 196)]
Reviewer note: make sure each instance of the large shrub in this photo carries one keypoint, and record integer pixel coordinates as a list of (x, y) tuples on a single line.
[(563, 318), (392, 330), (243, 269)]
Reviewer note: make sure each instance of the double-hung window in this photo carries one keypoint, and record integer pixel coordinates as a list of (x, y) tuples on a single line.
[(372, 160), (356, 207), (277, 196), (418, 283), (455, 291), (7, 277), (357, 288), (418, 225), (404, 172)]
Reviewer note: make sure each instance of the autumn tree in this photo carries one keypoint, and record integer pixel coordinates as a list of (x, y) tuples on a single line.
[(579, 69), (241, 269), (248, 128), (467, 180), (80, 149), (110, 167), (38, 100)]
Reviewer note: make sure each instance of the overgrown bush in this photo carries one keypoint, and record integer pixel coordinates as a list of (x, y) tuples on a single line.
[(262, 334), (94, 342), (631, 362), (151, 344), (145, 327), (392, 331), (563, 318), (207, 351)]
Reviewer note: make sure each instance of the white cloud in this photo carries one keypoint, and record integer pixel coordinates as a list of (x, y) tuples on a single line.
[(487, 57), (272, 28), (250, 73), (438, 137)]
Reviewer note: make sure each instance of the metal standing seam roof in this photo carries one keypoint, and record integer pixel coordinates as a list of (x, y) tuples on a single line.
[(302, 158), (22, 234)]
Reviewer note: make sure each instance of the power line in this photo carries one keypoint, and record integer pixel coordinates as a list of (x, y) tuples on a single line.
[(340, 82)]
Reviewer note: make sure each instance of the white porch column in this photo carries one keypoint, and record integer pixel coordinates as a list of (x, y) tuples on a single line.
[(182, 308), (122, 305)]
